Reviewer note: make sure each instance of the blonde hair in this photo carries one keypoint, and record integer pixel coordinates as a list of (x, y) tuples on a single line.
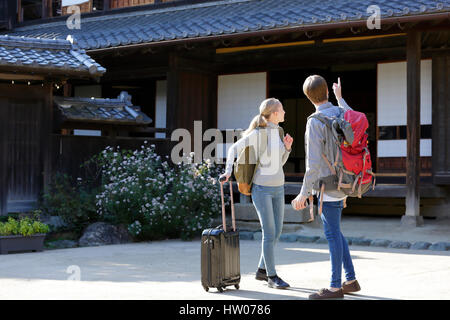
[(266, 108), (315, 88)]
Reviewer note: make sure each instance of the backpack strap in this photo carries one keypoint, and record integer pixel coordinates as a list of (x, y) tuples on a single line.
[(281, 133), (322, 118), (322, 190), (263, 142), (333, 171), (311, 209), (374, 178)]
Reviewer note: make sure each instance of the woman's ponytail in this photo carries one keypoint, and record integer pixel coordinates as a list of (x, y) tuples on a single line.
[(265, 110)]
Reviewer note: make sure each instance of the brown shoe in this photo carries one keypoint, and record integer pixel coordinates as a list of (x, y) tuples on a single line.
[(327, 294), (350, 287)]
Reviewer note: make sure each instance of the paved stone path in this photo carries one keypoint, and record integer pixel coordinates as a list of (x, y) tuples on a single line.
[(171, 270)]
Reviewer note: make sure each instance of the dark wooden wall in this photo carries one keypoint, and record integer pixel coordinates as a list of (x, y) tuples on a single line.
[(441, 118), (398, 165), (25, 131), (8, 14), (191, 96), (69, 152)]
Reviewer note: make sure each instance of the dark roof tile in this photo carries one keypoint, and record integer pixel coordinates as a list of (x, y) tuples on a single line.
[(117, 111), (46, 54), (142, 24)]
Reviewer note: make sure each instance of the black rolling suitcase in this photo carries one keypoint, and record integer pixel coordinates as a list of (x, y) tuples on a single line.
[(220, 253)]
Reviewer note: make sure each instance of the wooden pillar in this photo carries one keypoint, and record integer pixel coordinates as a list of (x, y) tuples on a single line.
[(19, 17), (412, 215), (441, 118), (47, 137), (172, 94), (106, 4), (4, 161), (47, 8)]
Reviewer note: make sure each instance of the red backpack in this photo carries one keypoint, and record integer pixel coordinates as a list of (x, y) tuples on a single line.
[(347, 154)]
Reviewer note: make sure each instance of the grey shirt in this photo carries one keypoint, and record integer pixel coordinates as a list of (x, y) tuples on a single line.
[(316, 166), (270, 171)]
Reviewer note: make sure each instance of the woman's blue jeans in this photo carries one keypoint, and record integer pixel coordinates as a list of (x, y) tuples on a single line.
[(269, 204), (339, 252)]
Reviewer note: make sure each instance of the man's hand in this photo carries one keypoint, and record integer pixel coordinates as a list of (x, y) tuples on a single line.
[(337, 89), (299, 202), (287, 140)]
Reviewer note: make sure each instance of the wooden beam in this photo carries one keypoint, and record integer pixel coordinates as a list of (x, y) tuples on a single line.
[(264, 46), (363, 38), (302, 43), (381, 191), (413, 55), (10, 76)]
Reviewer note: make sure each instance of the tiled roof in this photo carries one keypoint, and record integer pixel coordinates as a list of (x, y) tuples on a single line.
[(46, 55), (116, 111), (146, 25)]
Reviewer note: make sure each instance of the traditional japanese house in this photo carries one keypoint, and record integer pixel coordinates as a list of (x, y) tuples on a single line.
[(215, 61), (30, 70)]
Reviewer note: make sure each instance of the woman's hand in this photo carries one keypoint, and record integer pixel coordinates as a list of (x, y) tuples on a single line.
[(287, 140), (224, 178)]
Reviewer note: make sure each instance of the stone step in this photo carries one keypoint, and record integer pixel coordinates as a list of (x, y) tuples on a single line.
[(247, 218), (247, 212)]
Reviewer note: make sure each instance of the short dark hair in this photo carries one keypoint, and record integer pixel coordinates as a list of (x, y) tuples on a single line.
[(315, 88)]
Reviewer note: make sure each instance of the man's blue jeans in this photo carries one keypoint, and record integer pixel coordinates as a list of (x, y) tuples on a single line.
[(269, 205), (339, 252)]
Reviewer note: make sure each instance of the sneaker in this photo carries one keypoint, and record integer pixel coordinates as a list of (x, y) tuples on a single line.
[(261, 275), (350, 287), (277, 283), (327, 294)]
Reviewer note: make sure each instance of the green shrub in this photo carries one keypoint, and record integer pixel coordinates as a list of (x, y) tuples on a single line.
[(25, 227), (72, 200)]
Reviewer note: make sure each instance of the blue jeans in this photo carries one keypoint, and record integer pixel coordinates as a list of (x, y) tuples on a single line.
[(339, 252), (269, 205)]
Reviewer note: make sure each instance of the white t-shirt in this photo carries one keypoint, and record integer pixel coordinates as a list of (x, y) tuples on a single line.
[(327, 198)]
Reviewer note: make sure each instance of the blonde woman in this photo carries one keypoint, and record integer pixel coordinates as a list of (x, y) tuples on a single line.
[(267, 188)]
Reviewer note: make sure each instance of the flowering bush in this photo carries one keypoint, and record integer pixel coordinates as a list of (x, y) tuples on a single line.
[(156, 199)]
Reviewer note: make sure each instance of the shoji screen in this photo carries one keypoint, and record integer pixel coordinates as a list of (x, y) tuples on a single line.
[(238, 100), (391, 109)]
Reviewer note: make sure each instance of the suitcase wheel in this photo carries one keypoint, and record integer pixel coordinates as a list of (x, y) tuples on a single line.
[(206, 289), (220, 289), (236, 286)]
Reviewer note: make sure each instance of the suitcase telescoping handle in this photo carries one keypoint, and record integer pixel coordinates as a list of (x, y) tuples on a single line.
[(233, 219)]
